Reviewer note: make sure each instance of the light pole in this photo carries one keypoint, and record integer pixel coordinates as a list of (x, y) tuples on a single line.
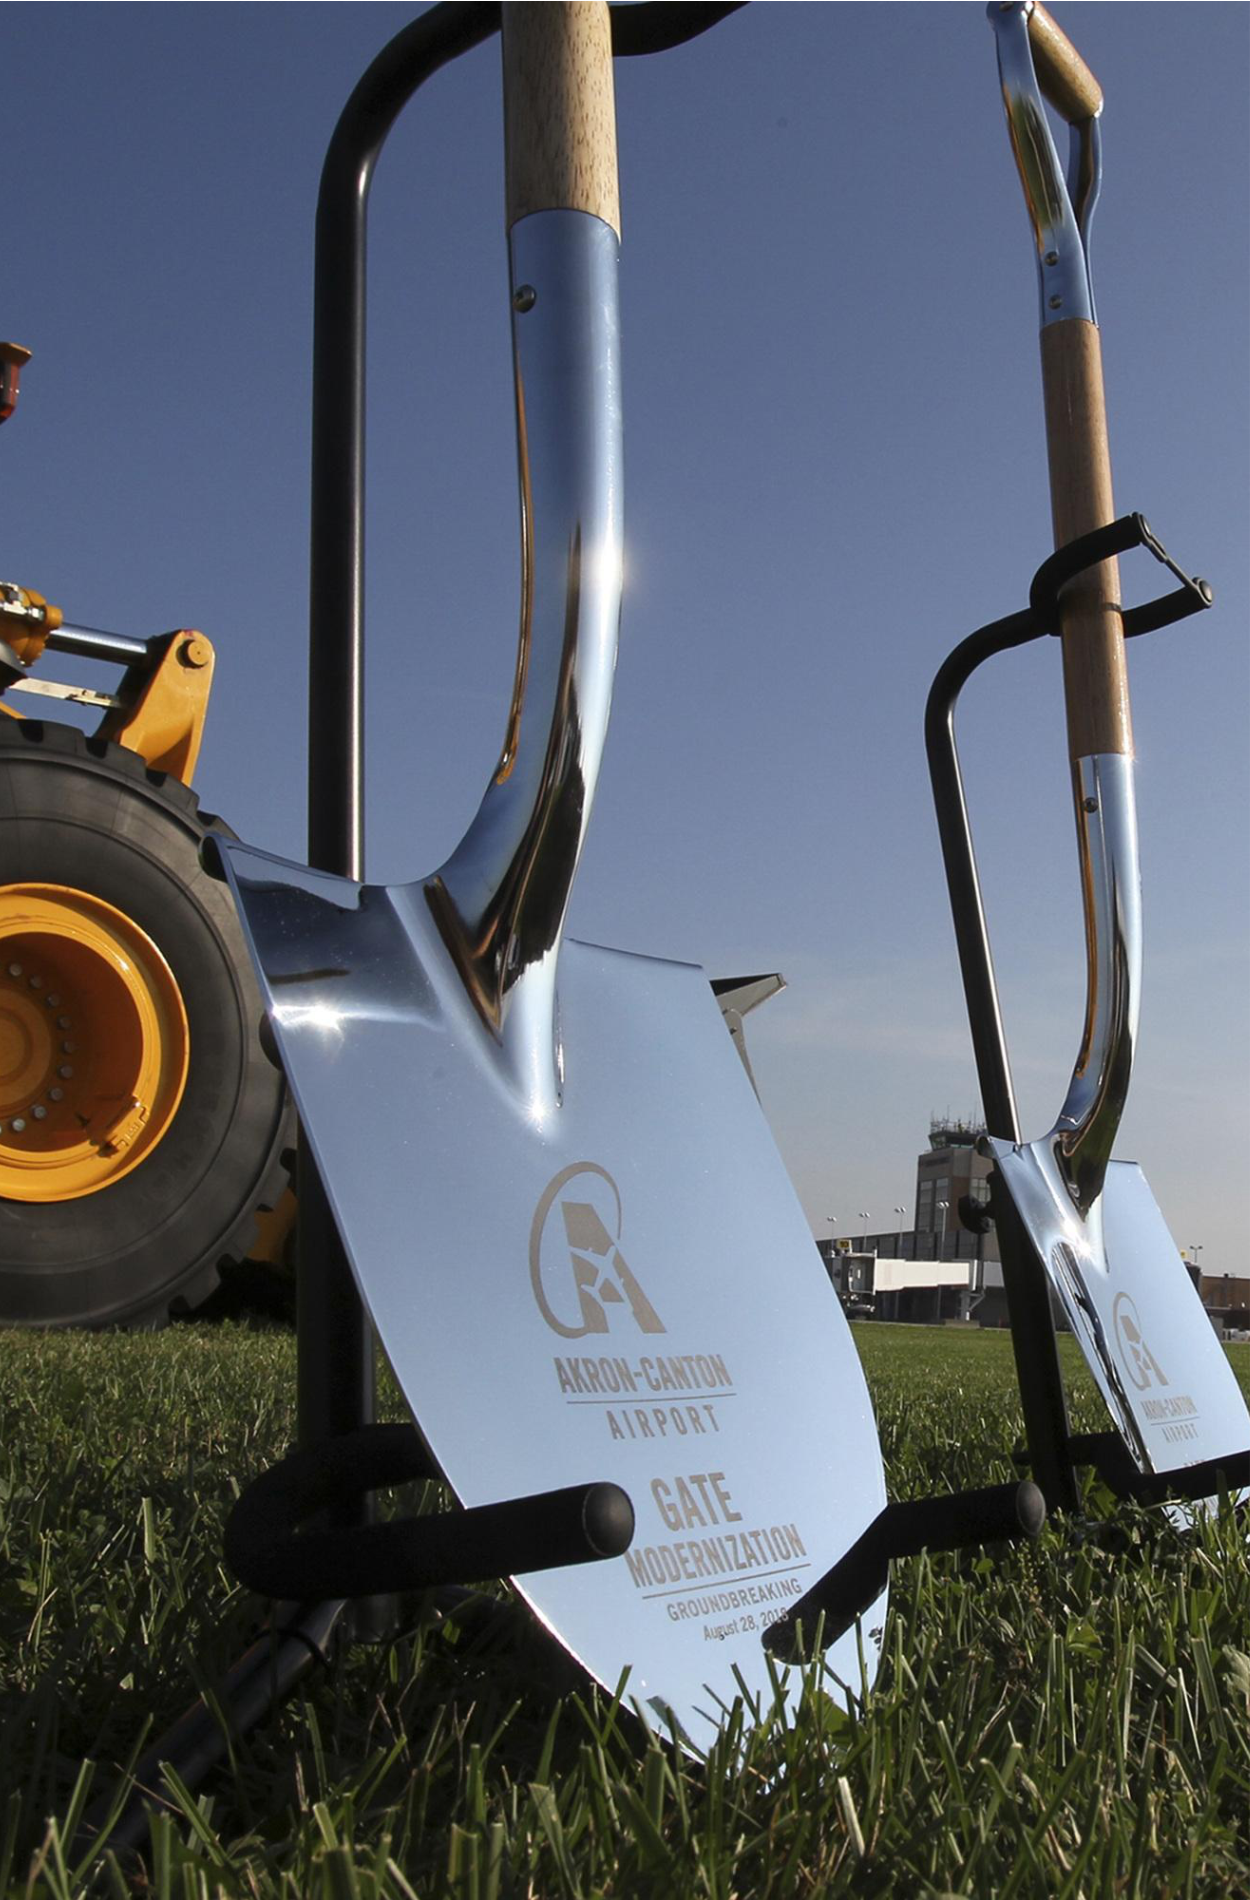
[(944, 1207), (1195, 1251)]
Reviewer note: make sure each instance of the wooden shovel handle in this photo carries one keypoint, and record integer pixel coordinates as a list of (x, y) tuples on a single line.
[(1094, 673), (559, 117), (1062, 74)]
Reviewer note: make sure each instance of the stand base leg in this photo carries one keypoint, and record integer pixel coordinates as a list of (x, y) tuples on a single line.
[(261, 1679)]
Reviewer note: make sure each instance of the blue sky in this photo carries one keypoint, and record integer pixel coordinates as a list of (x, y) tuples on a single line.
[(834, 469)]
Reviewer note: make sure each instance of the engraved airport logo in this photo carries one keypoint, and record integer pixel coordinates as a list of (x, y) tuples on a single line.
[(581, 1279), (1143, 1368)]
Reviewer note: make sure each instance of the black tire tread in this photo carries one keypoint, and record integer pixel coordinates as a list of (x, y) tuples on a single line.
[(190, 1288)]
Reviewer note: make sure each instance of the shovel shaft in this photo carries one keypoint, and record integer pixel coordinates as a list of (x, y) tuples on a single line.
[(1095, 676), (559, 116), (499, 901)]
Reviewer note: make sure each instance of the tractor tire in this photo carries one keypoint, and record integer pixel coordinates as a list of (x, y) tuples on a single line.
[(142, 1124)]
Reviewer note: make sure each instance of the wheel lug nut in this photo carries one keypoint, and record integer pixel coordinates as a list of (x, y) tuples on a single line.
[(15, 969), (53, 1002), (19, 1125), (36, 982), (62, 1022), (56, 1095), (68, 1048), (66, 1070), (39, 1112)]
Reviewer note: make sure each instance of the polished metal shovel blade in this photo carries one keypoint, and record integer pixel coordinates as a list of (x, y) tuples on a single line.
[(557, 1192), (1120, 1280), (1093, 1222), (618, 1285)]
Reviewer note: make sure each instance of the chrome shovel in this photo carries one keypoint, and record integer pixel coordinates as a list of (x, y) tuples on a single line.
[(1095, 1226), (560, 1200)]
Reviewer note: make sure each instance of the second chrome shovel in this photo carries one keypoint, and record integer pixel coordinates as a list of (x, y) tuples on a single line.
[(1092, 1221)]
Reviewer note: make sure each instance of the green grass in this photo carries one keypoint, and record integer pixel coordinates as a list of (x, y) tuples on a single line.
[(1068, 1719)]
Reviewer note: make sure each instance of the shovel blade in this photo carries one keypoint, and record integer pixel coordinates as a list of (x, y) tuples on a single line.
[(1124, 1289), (620, 1287)]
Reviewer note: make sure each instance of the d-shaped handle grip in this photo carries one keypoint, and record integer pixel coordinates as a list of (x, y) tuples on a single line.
[(1062, 74), (1035, 59)]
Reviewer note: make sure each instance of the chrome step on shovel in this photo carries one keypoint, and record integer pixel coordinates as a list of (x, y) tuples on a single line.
[(1084, 1225), (561, 1203)]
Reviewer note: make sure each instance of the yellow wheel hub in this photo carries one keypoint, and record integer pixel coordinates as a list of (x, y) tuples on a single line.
[(94, 1045)]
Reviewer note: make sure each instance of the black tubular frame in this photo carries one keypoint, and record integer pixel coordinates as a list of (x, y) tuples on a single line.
[(1054, 1452), (336, 1364), (267, 1549), (998, 1513), (336, 1358), (336, 1374), (343, 1454), (299, 1640)]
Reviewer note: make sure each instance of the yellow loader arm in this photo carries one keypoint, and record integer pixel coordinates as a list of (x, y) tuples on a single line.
[(161, 703)]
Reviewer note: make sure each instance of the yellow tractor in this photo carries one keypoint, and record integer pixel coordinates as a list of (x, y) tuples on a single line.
[(145, 1132)]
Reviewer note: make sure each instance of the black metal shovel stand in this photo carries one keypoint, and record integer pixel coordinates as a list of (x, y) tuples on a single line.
[(345, 1574), (1054, 1452)]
